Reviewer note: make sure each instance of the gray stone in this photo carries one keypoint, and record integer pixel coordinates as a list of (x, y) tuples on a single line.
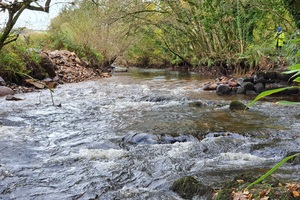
[(223, 89), (251, 92), (237, 105), (241, 90), (190, 188), (259, 87), (240, 80), (248, 85), (6, 91)]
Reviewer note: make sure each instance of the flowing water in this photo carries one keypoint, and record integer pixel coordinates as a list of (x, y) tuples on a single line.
[(131, 136)]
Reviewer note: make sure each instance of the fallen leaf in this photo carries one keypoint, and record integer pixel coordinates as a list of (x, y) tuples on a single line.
[(264, 192), (239, 196), (296, 193)]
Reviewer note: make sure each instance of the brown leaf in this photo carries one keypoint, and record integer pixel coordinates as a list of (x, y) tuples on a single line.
[(296, 193), (239, 196), (264, 192)]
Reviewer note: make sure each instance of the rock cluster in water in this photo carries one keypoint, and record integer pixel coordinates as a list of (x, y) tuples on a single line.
[(255, 84)]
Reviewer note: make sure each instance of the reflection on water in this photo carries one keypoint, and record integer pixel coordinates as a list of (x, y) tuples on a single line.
[(156, 74), (132, 135)]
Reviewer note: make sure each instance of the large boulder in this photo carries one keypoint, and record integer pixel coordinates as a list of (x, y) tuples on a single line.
[(6, 91)]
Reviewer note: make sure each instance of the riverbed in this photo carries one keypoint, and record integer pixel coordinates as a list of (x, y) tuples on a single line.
[(132, 135)]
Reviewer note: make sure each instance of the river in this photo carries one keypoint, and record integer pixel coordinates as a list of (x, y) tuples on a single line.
[(132, 135)]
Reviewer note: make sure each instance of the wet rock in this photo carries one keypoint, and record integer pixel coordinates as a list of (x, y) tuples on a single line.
[(241, 90), (270, 75), (257, 83), (249, 79), (260, 80), (181, 138), (140, 138), (247, 85), (259, 87), (12, 98), (251, 92), (6, 91), (190, 188), (237, 105), (210, 86), (223, 89), (198, 104), (240, 80)]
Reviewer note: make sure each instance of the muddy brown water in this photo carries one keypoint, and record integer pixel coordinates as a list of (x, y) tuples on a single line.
[(131, 136)]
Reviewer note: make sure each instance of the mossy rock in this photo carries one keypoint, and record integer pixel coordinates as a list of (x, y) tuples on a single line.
[(237, 105), (188, 187)]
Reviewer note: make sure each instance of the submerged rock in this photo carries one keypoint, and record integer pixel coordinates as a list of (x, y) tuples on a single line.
[(188, 187)]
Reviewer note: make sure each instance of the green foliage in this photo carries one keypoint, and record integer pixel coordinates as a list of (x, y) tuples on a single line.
[(176, 32), (16, 59), (271, 171)]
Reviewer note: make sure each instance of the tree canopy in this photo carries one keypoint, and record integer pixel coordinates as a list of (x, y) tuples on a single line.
[(14, 10), (165, 32)]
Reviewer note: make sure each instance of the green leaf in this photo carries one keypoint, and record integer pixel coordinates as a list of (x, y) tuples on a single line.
[(267, 93), (294, 67), (271, 171), (295, 75), (288, 103), (290, 71), (297, 79)]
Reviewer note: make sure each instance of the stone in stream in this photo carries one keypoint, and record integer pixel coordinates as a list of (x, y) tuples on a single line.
[(189, 188), (223, 89), (6, 91), (12, 98), (237, 105)]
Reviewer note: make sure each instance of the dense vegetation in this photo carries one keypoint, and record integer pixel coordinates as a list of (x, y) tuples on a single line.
[(230, 34)]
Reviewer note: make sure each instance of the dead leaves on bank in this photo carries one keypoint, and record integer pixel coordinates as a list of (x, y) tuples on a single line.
[(292, 189)]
